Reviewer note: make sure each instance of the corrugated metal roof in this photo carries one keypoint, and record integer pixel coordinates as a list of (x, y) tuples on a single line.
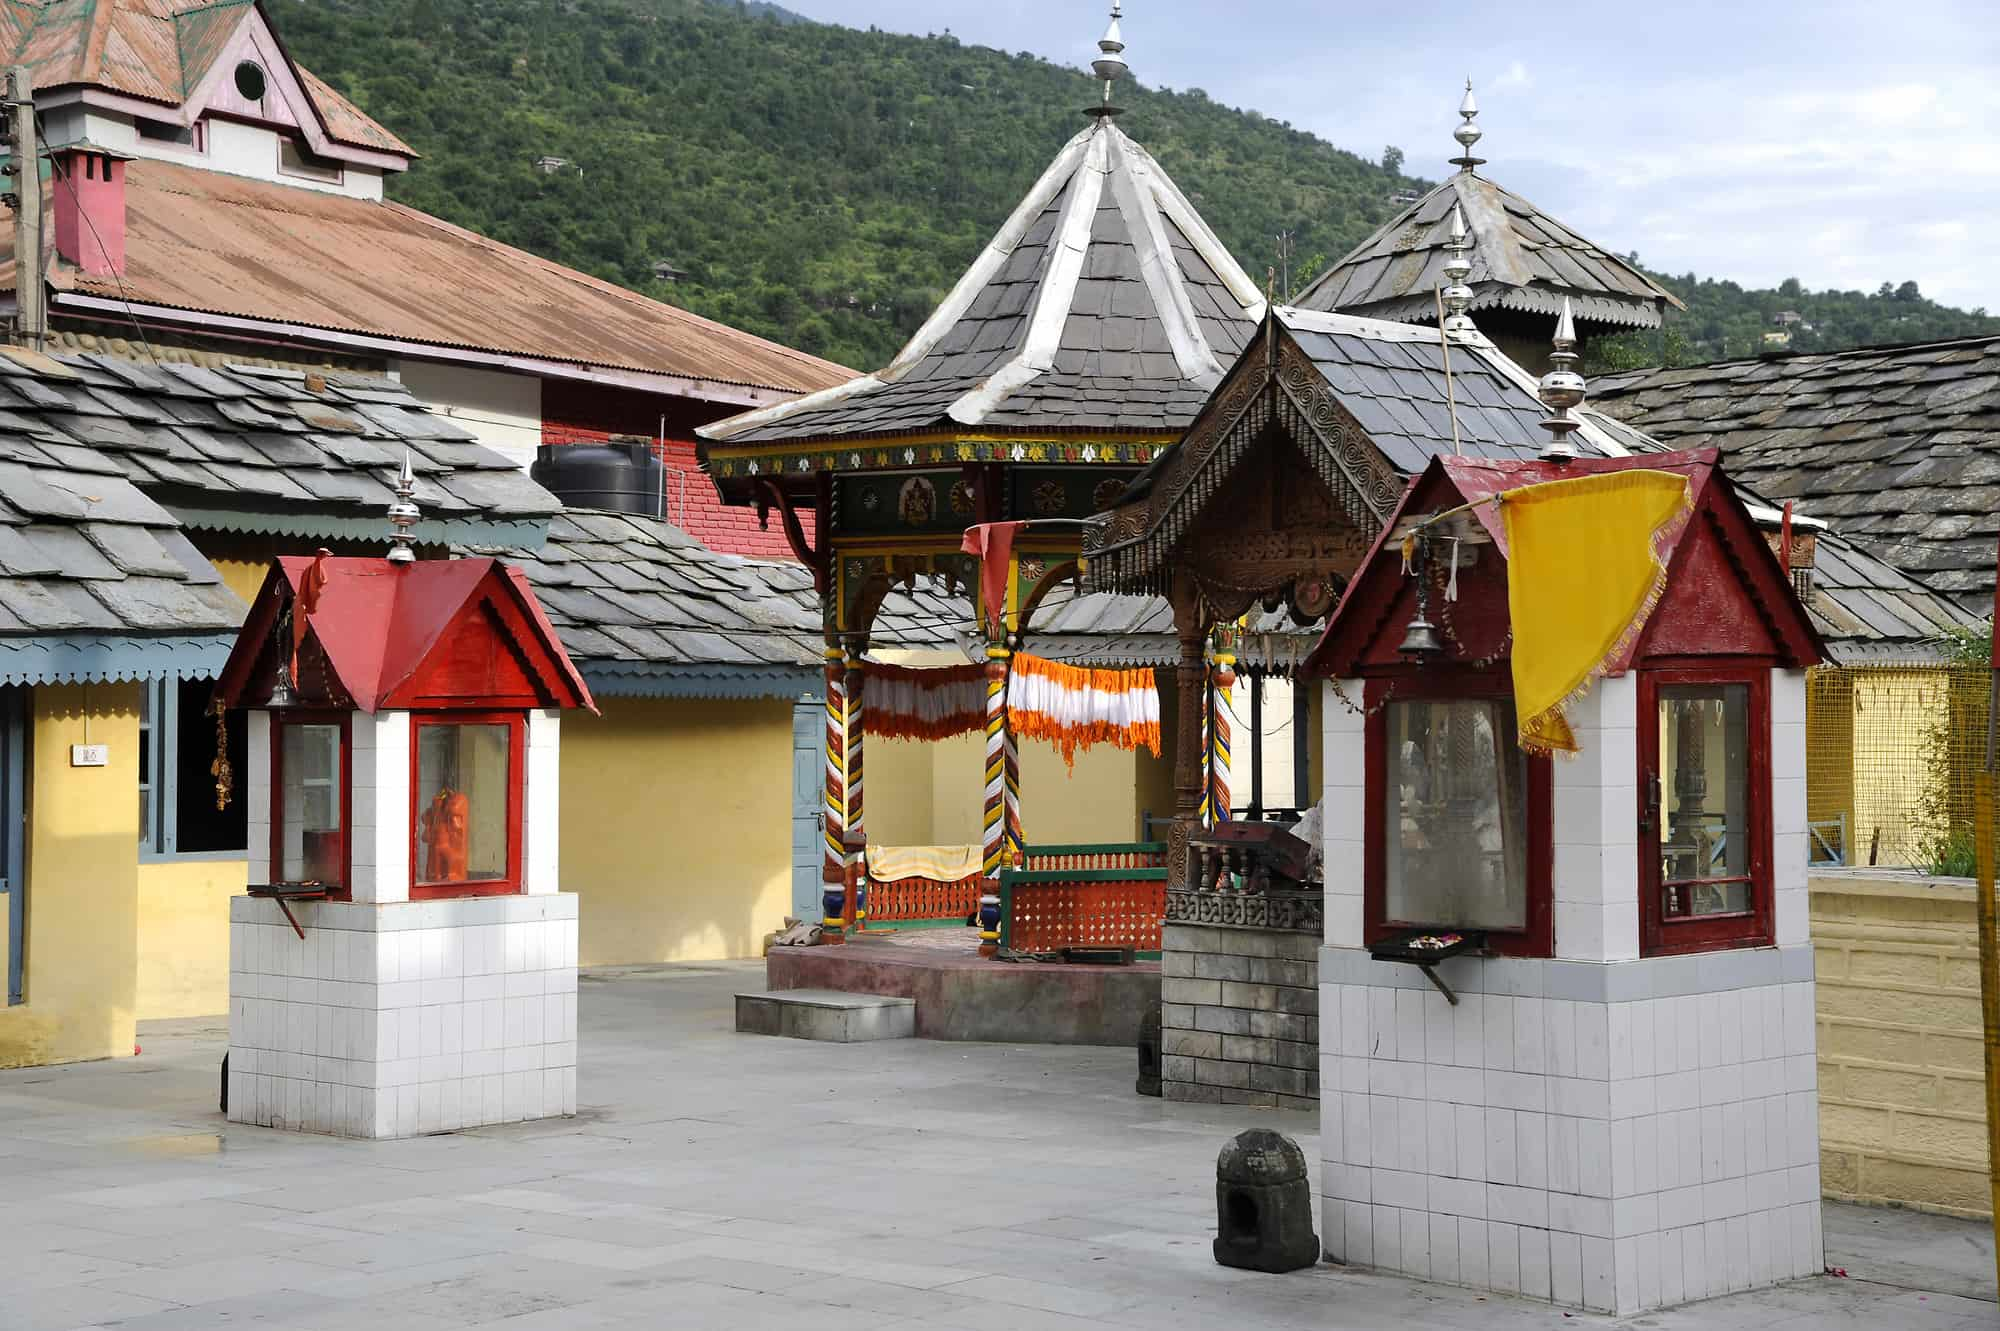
[(158, 50), (203, 241), (1521, 259)]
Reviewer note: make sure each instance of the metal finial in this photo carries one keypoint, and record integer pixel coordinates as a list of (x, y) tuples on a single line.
[(1562, 389), (1457, 297), (1109, 66), (1467, 133), (403, 515)]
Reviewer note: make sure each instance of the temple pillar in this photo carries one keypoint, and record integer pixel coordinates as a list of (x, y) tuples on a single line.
[(1222, 731), (996, 823), (1190, 758), (833, 818), (855, 840)]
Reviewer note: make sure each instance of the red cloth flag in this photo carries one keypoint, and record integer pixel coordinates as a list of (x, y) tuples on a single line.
[(311, 584), (993, 542)]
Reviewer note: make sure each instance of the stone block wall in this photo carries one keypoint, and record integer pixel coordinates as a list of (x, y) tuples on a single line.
[(1902, 1100), (1239, 1016)]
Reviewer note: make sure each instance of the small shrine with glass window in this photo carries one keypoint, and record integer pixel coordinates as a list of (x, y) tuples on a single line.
[(1566, 889), (403, 961)]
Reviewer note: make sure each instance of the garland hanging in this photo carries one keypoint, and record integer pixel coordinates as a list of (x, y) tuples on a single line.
[(1074, 707), (905, 702)]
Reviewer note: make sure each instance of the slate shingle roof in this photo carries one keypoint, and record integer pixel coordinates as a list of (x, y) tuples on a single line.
[(1870, 613), (637, 599), (1897, 447), (1104, 302), (1522, 259), (248, 447)]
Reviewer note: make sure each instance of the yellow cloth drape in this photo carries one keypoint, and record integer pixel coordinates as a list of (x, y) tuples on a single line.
[(1583, 573), (939, 864)]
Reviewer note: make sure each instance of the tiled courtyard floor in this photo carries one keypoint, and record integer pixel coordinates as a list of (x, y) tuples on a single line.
[(717, 1180)]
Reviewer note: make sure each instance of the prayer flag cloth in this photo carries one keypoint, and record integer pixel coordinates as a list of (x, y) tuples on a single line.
[(1584, 572), (993, 542), (1074, 707)]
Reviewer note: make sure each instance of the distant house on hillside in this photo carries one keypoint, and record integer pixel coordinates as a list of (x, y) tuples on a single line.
[(215, 195)]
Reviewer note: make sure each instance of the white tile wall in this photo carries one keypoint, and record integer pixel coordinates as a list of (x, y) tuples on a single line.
[(406, 1018), (1616, 1156), (544, 798), (1344, 755)]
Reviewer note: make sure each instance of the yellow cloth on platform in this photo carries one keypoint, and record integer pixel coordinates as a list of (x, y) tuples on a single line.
[(1583, 574), (939, 864)]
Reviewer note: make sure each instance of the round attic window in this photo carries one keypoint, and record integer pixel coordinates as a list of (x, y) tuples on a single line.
[(250, 81)]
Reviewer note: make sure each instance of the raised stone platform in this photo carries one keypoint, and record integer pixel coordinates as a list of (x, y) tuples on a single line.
[(826, 1014), (960, 995)]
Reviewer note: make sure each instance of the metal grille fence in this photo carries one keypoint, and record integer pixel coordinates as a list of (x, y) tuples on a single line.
[(1891, 753)]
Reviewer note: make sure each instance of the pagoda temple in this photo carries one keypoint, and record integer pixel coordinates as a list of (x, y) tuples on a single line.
[(1525, 264), (1073, 352)]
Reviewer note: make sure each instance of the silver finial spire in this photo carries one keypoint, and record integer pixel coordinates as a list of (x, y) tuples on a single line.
[(403, 515), (1467, 133), (1561, 390), (1457, 297), (1109, 66)]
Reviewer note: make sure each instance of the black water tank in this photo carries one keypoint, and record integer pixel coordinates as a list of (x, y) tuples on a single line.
[(622, 475)]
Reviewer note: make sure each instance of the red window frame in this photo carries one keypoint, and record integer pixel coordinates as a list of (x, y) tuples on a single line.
[(1537, 939), (1659, 933), (311, 716), (517, 726)]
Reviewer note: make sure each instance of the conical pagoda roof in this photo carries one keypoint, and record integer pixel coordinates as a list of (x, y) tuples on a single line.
[(1522, 259), (1104, 303)]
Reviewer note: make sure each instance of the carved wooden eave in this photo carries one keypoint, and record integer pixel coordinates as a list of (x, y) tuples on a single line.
[(1185, 517)]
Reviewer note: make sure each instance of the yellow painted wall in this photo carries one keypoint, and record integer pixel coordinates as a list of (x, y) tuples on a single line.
[(1894, 712), (82, 872), (184, 936), (676, 827), (1901, 1095)]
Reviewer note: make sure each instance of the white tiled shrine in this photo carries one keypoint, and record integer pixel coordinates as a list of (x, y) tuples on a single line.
[(1597, 1129)]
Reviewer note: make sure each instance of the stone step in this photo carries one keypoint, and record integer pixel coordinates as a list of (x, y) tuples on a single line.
[(826, 1014)]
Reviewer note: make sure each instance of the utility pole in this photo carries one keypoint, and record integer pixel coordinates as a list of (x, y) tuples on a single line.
[(1285, 247), (24, 195)]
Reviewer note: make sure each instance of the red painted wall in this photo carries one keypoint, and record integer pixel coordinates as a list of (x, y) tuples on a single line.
[(574, 413)]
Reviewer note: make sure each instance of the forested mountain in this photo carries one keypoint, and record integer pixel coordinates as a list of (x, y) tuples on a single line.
[(823, 186)]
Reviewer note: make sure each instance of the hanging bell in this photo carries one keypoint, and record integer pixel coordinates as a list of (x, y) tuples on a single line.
[(281, 691), (1421, 641)]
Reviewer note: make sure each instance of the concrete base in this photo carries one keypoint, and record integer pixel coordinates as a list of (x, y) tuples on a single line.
[(1240, 1024), (965, 997), (826, 1014)]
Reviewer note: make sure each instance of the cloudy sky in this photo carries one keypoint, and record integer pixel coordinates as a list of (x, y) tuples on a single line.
[(1842, 142)]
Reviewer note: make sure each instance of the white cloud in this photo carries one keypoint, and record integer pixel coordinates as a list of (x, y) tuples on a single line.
[(1514, 76)]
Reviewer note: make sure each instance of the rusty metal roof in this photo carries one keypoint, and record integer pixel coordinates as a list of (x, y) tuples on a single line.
[(202, 241), (158, 50)]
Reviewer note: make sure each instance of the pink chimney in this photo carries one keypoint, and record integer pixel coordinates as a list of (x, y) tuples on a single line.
[(87, 197)]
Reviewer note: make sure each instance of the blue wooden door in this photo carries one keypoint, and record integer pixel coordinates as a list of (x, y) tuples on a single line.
[(13, 831), (808, 794)]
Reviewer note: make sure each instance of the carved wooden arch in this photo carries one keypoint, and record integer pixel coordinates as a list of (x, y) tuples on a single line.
[(1070, 571)]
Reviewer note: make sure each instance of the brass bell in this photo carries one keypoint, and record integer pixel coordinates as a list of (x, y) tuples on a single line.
[(1421, 641)]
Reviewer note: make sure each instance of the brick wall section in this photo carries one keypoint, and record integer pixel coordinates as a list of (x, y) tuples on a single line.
[(589, 414), (1239, 1017), (1902, 1100)]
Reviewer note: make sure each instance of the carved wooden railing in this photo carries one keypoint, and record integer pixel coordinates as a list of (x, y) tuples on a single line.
[(908, 899), (1248, 876), (1099, 896)]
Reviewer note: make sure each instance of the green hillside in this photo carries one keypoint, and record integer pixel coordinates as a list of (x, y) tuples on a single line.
[(823, 186)]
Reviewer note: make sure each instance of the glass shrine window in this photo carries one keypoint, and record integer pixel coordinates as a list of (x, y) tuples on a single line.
[(312, 841), (1457, 810), (463, 803), (1703, 800)]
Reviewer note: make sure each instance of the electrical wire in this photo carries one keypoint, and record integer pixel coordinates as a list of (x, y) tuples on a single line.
[(57, 171)]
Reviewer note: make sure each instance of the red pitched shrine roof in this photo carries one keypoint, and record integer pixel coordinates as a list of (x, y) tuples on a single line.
[(435, 633), (1725, 593)]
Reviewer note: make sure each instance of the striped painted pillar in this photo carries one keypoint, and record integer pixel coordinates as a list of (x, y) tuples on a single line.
[(1013, 798), (1222, 734), (833, 832), (994, 821), (857, 826), (1205, 816)]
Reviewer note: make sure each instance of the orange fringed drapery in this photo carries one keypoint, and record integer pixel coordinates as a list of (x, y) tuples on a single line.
[(1074, 707), (916, 703)]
